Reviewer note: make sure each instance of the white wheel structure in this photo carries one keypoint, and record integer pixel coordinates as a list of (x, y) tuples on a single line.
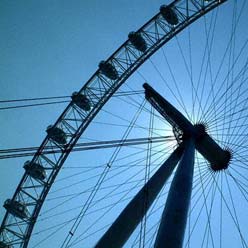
[(123, 140)]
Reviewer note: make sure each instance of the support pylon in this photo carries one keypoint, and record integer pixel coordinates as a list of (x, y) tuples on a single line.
[(131, 216), (174, 218)]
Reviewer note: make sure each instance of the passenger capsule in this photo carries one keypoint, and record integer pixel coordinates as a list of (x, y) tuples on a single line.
[(56, 134), (4, 245), (18, 209), (108, 70), (81, 101), (137, 41), (35, 170), (169, 14)]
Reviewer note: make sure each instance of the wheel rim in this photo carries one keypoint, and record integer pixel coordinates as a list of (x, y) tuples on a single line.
[(227, 126)]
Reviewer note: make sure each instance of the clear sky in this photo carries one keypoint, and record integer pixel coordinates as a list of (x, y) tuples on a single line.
[(51, 48)]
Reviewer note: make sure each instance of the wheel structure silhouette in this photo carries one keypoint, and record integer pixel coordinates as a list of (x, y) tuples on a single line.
[(194, 53)]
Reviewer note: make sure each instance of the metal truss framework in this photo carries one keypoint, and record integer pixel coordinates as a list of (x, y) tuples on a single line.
[(16, 232)]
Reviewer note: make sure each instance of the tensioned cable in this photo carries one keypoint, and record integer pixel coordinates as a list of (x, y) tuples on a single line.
[(104, 197), (29, 151), (209, 33), (209, 48), (205, 201), (221, 65), (32, 105), (114, 175), (229, 108), (77, 238), (244, 244), (105, 226), (240, 186), (112, 159), (229, 210), (160, 207), (147, 176), (118, 94), (168, 86), (33, 99), (152, 211), (202, 206), (117, 167)]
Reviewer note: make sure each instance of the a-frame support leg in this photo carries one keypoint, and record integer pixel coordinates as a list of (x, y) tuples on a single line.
[(131, 216), (174, 219)]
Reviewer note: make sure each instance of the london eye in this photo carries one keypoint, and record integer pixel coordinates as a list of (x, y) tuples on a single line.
[(151, 151)]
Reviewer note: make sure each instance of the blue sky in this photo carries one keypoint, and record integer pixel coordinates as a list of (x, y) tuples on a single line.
[(51, 48)]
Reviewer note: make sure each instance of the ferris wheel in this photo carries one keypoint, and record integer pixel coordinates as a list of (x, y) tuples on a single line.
[(151, 151)]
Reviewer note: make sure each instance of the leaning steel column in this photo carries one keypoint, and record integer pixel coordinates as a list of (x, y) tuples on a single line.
[(131, 216), (174, 218)]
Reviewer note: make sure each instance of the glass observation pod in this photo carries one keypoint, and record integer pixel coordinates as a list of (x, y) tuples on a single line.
[(16, 208), (4, 245), (56, 134), (108, 70), (137, 41), (35, 170), (169, 14), (81, 101)]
